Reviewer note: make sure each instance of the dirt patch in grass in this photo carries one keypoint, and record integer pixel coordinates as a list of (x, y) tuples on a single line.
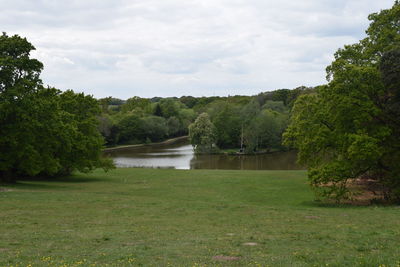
[(2, 189), (226, 258), (311, 217), (250, 244), (365, 192)]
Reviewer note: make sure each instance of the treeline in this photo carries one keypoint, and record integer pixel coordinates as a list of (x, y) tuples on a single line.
[(140, 120), (253, 123)]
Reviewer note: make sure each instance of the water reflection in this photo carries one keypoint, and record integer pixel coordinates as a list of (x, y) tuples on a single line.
[(274, 161), (180, 156)]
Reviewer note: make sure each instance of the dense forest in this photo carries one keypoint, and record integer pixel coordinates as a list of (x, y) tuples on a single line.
[(251, 123)]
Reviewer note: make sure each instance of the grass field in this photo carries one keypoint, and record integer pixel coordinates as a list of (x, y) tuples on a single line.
[(150, 217)]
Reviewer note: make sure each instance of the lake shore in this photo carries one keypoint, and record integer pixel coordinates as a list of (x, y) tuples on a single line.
[(166, 142)]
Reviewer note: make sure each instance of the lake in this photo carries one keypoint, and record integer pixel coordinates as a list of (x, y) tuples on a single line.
[(180, 156)]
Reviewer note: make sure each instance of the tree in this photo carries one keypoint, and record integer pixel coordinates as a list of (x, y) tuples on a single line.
[(228, 126), (170, 107), (201, 134), (43, 131), (265, 131), (137, 104), (130, 129), (174, 126), (350, 128), (154, 128), (158, 111)]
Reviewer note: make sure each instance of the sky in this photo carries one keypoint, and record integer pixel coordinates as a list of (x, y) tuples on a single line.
[(165, 48)]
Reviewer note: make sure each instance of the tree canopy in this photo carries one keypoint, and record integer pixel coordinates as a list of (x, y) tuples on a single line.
[(202, 134), (350, 128), (43, 131)]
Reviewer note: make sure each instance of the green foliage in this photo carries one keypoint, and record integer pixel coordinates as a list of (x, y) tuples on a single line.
[(43, 131), (108, 128), (202, 134), (142, 121), (155, 128), (350, 128), (278, 106), (265, 131), (186, 116), (157, 110), (238, 120), (228, 125), (174, 126), (170, 107), (189, 101), (137, 105), (130, 129)]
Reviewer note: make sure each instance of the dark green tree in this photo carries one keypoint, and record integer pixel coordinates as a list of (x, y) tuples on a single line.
[(130, 129), (158, 111), (349, 129), (43, 131), (228, 126), (154, 128)]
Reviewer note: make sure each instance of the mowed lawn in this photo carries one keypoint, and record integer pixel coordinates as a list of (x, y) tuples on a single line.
[(153, 217)]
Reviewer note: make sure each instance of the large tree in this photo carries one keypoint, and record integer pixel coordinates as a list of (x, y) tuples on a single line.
[(350, 128), (43, 131)]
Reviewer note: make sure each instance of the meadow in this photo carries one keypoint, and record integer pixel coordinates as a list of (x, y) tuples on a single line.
[(166, 217)]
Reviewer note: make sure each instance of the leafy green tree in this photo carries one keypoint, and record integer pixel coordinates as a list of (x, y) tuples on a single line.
[(83, 153), (169, 107), (138, 105), (186, 116), (157, 110), (281, 95), (174, 126), (265, 131), (105, 127), (201, 134), (43, 131), (278, 106), (189, 101), (350, 129), (228, 126), (154, 128), (130, 129)]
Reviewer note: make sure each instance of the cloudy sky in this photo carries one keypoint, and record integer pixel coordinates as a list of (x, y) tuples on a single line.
[(149, 48)]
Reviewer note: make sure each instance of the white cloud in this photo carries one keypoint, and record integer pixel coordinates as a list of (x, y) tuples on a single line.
[(199, 47)]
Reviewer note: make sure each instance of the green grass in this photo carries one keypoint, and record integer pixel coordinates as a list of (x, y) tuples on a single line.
[(150, 217)]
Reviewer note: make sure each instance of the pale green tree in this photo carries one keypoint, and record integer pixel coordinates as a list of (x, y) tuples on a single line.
[(202, 134)]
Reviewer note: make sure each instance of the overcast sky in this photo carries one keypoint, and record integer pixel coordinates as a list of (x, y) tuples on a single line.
[(164, 48)]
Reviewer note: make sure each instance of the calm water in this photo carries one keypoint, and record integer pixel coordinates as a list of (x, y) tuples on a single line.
[(181, 156)]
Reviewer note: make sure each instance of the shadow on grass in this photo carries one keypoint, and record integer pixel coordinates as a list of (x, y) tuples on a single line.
[(321, 204), (31, 185), (333, 205), (40, 183), (73, 179)]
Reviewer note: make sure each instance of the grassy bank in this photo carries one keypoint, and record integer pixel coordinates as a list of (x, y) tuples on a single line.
[(149, 217)]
